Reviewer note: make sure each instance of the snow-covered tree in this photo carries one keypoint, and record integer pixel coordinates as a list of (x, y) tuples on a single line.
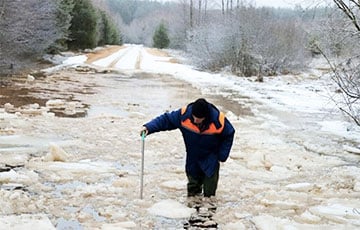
[(28, 29), (63, 18), (346, 73), (250, 41)]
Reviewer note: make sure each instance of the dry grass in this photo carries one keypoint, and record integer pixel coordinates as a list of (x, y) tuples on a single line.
[(102, 53), (161, 53), (112, 49), (173, 60), (157, 52)]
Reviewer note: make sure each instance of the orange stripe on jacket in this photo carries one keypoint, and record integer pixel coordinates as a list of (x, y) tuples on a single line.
[(212, 128)]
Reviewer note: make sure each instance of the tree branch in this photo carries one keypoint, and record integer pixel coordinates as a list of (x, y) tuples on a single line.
[(356, 3), (353, 117), (346, 9)]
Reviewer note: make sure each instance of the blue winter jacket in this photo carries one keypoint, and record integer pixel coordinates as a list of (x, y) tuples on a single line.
[(204, 148)]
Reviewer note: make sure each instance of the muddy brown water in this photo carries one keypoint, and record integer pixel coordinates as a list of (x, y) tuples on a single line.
[(18, 96), (20, 93)]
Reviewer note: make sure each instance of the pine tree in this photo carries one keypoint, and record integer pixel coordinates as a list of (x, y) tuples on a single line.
[(83, 29), (108, 33), (161, 39), (63, 23)]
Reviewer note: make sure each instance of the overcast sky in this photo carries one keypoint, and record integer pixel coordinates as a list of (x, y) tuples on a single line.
[(275, 3), (288, 3)]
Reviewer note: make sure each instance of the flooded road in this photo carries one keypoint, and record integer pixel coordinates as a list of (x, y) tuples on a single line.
[(86, 160), (71, 153)]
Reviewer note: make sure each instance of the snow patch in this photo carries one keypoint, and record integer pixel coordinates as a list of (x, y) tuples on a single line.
[(119, 226), (171, 209), (351, 149), (56, 153), (235, 226), (357, 186), (25, 221), (343, 213), (271, 223), (308, 218), (75, 60), (300, 187), (174, 184), (13, 176), (340, 128)]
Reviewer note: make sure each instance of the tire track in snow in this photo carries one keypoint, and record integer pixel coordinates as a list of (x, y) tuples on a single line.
[(130, 59), (127, 58), (114, 62)]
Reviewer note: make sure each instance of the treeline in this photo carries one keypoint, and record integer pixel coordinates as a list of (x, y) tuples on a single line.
[(235, 35), (249, 41), (31, 28), (217, 35), (140, 19), (227, 34)]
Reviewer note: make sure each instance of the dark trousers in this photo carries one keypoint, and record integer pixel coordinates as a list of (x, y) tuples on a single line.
[(209, 184)]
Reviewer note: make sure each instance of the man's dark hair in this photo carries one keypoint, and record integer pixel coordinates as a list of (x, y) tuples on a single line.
[(200, 108)]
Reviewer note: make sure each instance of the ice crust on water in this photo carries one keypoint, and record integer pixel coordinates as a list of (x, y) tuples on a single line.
[(276, 172)]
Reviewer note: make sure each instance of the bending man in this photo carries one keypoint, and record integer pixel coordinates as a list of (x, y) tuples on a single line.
[(208, 137)]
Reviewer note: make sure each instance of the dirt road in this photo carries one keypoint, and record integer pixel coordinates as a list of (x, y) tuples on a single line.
[(73, 159)]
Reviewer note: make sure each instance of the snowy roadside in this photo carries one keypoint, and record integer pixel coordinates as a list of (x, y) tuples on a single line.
[(290, 167)]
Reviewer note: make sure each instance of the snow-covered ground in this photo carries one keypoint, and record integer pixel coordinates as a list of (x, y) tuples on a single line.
[(294, 162)]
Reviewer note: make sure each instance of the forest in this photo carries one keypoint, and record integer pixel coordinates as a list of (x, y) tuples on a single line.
[(30, 29), (216, 35)]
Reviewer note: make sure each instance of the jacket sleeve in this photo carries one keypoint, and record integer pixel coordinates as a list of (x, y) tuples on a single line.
[(166, 121), (227, 137)]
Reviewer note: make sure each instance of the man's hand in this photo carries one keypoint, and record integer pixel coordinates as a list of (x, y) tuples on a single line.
[(144, 129)]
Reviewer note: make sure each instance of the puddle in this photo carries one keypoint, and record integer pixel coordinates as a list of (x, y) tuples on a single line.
[(62, 112), (10, 141), (238, 104), (95, 215), (239, 108), (71, 185), (88, 209), (168, 223), (63, 224), (18, 97), (21, 95), (106, 111)]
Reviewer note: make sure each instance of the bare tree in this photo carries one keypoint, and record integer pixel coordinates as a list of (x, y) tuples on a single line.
[(200, 5), (351, 8), (27, 28), (191, 13), (205, 7), (222, 6), (249, 40), (346, 74)]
